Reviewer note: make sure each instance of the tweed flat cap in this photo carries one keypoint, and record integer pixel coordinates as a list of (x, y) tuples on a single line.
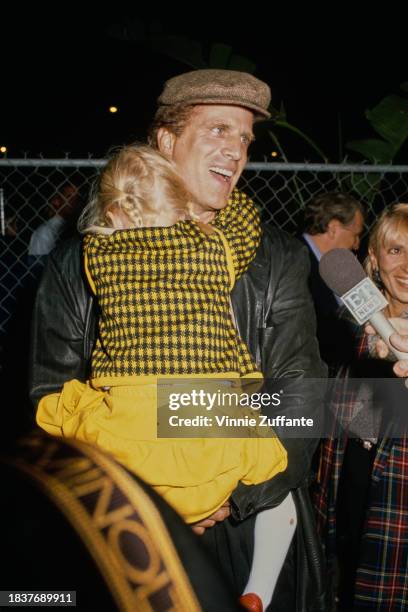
[(218, 87)]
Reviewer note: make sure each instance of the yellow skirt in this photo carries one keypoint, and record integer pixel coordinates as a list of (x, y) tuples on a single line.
[(195, 476)]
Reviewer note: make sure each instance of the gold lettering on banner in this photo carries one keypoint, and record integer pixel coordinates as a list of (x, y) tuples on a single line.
[(161, 580), (62, 468), (136, 573), (72, 469), (104, 487), (46, 449), (83, 478), (131, 550)]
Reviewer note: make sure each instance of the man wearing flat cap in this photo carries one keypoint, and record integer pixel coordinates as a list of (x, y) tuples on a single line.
[(204, 123)]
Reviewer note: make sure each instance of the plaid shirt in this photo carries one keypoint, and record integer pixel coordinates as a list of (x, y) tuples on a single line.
[(381, 580), (164, 295)]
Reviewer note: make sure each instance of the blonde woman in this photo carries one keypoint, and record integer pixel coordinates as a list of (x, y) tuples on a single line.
[(363, 483)]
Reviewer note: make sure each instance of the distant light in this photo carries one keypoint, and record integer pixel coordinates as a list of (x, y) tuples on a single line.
[(3, 149), (274, 154), (113, 109)]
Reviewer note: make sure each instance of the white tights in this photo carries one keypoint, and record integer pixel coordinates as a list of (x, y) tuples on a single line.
[(274, 529)]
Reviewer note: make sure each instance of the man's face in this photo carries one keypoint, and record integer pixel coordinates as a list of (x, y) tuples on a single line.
[(211, 152), (348, 236), (63, 202)]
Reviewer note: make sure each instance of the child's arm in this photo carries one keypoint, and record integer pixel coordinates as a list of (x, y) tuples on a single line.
[(241, 224)]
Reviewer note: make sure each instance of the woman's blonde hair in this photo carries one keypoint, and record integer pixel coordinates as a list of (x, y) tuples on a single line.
[(392, 223), (140, 184)]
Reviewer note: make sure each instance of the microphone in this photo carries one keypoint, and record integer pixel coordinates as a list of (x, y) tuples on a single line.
[(343, 274)]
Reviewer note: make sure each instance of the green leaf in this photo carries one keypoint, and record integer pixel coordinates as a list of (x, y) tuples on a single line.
[(219, 55), (284, 124), (238, 62), (377, 151), (276, 114), (189, 52), (366, 186), (282, 111), (390, 120)]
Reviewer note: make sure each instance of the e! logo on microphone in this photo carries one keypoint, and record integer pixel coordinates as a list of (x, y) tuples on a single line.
[(364, 300)]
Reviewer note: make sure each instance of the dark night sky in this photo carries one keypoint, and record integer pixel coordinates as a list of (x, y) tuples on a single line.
[(56, 93)]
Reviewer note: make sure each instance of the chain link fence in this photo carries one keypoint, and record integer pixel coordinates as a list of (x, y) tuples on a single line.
[(31, 190)]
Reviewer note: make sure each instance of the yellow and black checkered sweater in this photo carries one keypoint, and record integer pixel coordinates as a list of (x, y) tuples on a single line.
[(164, 296)]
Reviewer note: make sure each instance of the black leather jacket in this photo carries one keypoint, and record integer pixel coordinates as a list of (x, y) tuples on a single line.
[(275, 316)]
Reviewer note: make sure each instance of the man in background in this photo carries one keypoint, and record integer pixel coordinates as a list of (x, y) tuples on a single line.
[(64, 206), (332, 220)]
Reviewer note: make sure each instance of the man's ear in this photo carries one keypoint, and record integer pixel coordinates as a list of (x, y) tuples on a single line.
[(166, 141), (333, 227)]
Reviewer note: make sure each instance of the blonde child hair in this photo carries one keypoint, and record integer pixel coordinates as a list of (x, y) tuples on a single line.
[(139, 187)]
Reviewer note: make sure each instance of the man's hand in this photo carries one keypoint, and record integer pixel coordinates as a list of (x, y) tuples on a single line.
[(217, 517), (398, 340)]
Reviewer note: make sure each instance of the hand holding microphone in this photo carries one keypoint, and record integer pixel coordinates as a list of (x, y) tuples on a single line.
[(399, 340), (343, 274)]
